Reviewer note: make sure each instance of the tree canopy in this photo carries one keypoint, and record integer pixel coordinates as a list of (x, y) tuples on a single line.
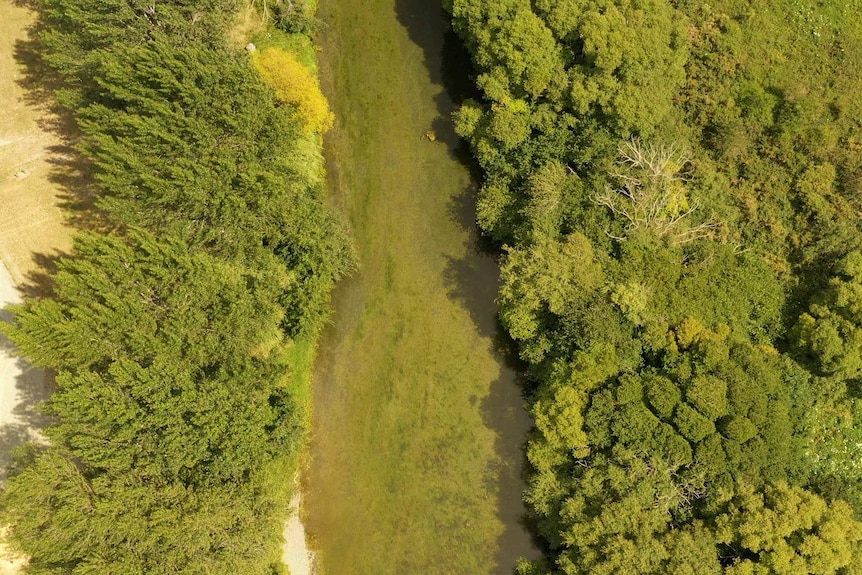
[(673, 185), (173, 332)]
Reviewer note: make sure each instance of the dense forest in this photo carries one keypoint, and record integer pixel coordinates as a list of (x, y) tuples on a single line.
[(180, 329), (676, 187)]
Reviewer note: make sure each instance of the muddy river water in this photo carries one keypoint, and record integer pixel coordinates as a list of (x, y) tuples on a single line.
[(416, 459)]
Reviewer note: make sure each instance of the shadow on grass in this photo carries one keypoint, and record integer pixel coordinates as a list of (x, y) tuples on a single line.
[(474, 279), (448, 65), (40, 281), (70, 170), (28, 387)]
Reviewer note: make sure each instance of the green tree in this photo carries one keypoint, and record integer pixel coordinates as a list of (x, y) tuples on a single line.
[(544, 281), (830, 332), (788, 530)]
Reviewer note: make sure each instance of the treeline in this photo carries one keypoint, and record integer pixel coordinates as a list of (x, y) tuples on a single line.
[(676, 189), (178, 332)]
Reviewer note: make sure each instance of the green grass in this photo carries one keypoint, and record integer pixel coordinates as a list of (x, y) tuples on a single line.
[(297, 44), (299, 355), (405, 469)]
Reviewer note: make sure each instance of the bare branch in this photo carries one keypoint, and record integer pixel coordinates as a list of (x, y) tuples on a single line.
[(651, 194)]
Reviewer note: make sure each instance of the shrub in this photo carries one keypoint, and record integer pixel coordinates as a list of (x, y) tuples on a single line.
[(295, 85)]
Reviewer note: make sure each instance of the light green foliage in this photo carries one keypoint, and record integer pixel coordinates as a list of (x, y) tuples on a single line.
[(830, 332), (514, 46), (510, 124), (787, 530), (633, 300), (663, 395), (559, 408), (715, 409), (729, 285), (708, 395), (616, 521), (543, 281), (560, 421), (691, 424), (546, 189), (630, 65)]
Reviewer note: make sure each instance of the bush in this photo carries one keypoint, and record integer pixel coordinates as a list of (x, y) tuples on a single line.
[(295, 85)]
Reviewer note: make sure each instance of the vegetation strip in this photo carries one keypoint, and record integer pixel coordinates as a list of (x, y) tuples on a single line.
[(677, 186), (179, 331)]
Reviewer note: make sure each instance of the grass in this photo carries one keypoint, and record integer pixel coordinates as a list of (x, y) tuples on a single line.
[(406, 469), (297, 44), (32, 221)]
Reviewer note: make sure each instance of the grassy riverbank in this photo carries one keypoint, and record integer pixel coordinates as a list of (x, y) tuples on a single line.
[(408, 469)]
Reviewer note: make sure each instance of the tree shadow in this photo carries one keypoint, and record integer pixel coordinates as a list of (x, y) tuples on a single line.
[(39, 283), (474, 280), (69, 168), (29, 389), (448, 65)]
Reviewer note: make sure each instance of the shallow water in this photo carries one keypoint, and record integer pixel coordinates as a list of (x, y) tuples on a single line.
[(416, 455)]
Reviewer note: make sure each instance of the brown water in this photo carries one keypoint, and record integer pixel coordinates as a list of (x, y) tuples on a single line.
[(417, 443)]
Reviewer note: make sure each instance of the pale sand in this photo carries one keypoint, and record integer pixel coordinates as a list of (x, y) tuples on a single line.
[(22, 386), (295, 553), (10, 564)]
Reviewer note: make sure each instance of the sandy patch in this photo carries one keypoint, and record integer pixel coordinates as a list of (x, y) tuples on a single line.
[(295, 553), (10, 563), (246, 24), (22, 386)]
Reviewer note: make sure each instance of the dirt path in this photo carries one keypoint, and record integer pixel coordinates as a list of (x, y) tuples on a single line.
[(418, 422)]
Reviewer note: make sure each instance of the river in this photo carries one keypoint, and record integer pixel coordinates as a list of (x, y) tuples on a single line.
[(416, 458)]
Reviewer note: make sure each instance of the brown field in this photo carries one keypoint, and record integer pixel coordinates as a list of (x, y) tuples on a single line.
[(33, 161)]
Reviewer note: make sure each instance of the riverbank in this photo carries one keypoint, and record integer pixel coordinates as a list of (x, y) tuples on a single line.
[(418, 423), (295, 552)]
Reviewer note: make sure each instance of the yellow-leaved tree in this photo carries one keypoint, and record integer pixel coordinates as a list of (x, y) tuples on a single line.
[(295, 85)]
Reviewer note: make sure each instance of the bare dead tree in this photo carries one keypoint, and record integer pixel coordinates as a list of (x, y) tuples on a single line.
[(652, 193)]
